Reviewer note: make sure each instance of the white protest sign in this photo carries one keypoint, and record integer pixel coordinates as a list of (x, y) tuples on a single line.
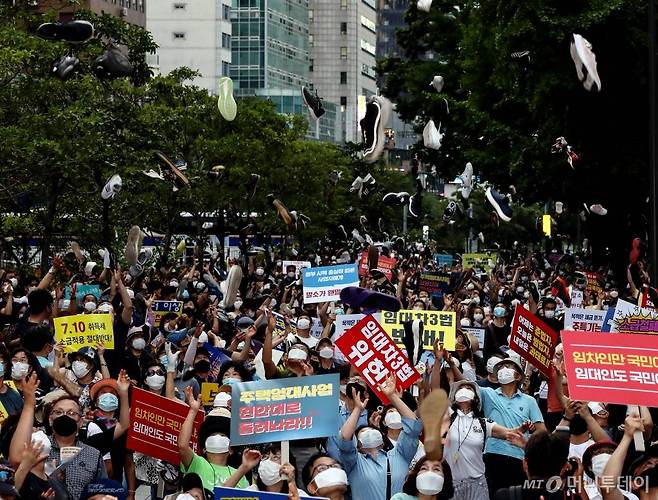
[(584, 320)]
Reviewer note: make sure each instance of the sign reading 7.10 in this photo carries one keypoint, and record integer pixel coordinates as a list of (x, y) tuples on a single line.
[(83, 330)]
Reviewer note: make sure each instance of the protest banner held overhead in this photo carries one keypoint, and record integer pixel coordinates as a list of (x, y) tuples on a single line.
[(297, 264), (82, 290), (434, 282), (478, 333), (630, 318), (436, 324), (284, 409), (222, 493), (384, 264), (620, 368), (443, 259), (584, 320), (479, 261), (533, 339), (163, 307), (375, 355), (323, 284), (83, 330), (155, 423)]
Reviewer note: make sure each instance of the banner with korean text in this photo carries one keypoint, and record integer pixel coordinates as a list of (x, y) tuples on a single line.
[(621, 369), (384, 264), (436, 324), (155, 423), (434, 282), (323, 284), (533, 340), (584, 320), (82, 290), (82, 330), (284, 409), (222, 493), (630, 318), (162, 307), (370, 350)]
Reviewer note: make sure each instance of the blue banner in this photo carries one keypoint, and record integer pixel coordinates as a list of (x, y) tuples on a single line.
[(323, 284), (217, 359), (284, 409), (82, 290), (222, 493), (443, 259)]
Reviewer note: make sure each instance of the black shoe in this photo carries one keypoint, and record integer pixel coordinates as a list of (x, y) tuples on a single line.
[(369, 185), (396, 199), (65, 67), (112, 64), (500, 203), (415, 203), (370, 125), (171, 172), (252, 185), (450, 212), (72, 32), (313, 102), (335, 176)]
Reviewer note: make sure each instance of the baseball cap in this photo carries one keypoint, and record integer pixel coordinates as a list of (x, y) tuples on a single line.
[(244, 323)]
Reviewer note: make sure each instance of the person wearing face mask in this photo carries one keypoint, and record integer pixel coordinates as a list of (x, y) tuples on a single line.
[(272, 476), (547, 315), (81, 375), (213, 469), (428, 480), (595, 459), (345, 408), (40, 341), (466, 440), (65, 420), (323, 476), (88, 304), (326, 363), (11, 402), (511, 408), (31, 479), (478, 317), (381, 472), (497, 332), (390, 425), (23, 363), (137, 354), (232, 373), (304, 332)]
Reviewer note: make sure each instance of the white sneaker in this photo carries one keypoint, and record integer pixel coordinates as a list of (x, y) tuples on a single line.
[(559, 207), (467, 180), (597, 209), (153, 174), (432, 136), (112, 187), (424, 5), (585, 61), (437, 83)]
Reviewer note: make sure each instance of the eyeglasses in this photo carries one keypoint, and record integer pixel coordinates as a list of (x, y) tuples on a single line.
[(323, 467), (154, 372), (69, 413)]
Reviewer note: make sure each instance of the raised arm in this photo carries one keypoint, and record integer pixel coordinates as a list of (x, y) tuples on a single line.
[(127, 313), (123, 385), (613, 469), (186, 430), (352, 422), (172, 362), (250, 459), (23, 433), (268, 364)]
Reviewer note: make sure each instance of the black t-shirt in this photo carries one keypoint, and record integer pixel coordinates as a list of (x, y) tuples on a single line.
[(522, 493), (33, 486)]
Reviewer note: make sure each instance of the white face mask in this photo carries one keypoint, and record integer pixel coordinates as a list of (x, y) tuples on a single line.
[(268, 471), (297, 354), (506, 375), (429, 483), (465, 322), (370, 438), (90, 306), (549, 313), (463, 395), (19, 370), (470, 286), (303, 324), (173, 283), (330, 477), (272, 302), (614, 294), (326, 353), (40, 438), (155, 382), (217, 444), (237, 304), (599, 462), (478, 317), (393, 420), (80, 368), (139, 344), (260, 272)]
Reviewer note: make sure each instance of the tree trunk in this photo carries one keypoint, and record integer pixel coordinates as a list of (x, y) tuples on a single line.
[(51, 210)]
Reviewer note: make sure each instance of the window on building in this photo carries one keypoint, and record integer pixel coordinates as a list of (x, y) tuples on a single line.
[(179, 35), (343, 52), (343, 4), (179, 6), (226, 9), (343, 77), (310, 40), (226, 41), (343, 100), (310, 65), (310, 15), (226, 68), (343, 28)]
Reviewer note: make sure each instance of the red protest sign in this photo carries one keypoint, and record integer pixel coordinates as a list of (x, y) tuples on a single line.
[(617, 368), (374, 354), (533, 340), (384, 264), (155, 422)]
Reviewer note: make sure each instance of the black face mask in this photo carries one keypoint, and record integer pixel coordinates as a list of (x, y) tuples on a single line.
[(202, 366), (577, 426), (65, 426)]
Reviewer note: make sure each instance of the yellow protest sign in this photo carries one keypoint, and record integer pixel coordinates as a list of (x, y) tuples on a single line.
[(163, 307), (84, 330), (436, 324), (483, 260), (208, 392)]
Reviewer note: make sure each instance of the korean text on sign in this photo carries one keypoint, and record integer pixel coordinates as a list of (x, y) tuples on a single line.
[(284, 409), (533, 340), (375, 355), (163, 307), (155, 423), (584, 320), (83, 330), (384, 264), (620, 368), (324, 284), (434, 282), (436, 324)]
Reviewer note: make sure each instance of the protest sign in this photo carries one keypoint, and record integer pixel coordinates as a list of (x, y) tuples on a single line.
[(323, 284), (208, 392), (593, 284), (217, 359), (478, 333), (434, 282), (374, 354), (443, 259), (284, 409), (645, 297), (222, 493), (436, 324), (297, 264), (620, 369), (533, 340), (384, 264), (485, 261), (608, 322), (316, 328), (280, 325), (629, 318), (82, 290), (162, 307), (584, 320), (576, 298), (155, 423), (83, 330)]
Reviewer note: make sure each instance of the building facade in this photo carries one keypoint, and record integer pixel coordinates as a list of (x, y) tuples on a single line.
[(133, 11), (342, 40), (192, 33)]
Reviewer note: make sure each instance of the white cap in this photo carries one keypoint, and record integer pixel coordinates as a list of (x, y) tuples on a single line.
[(203, 338), (595, 407), (89, 268), (221, 400)]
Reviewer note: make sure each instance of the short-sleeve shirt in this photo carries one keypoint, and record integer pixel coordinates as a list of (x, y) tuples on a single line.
[(510, 413), (211, 474)]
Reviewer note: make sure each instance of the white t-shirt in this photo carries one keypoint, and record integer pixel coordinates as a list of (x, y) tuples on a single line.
[(310, 342), (577, 450), (465, 445), (594, 494)]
